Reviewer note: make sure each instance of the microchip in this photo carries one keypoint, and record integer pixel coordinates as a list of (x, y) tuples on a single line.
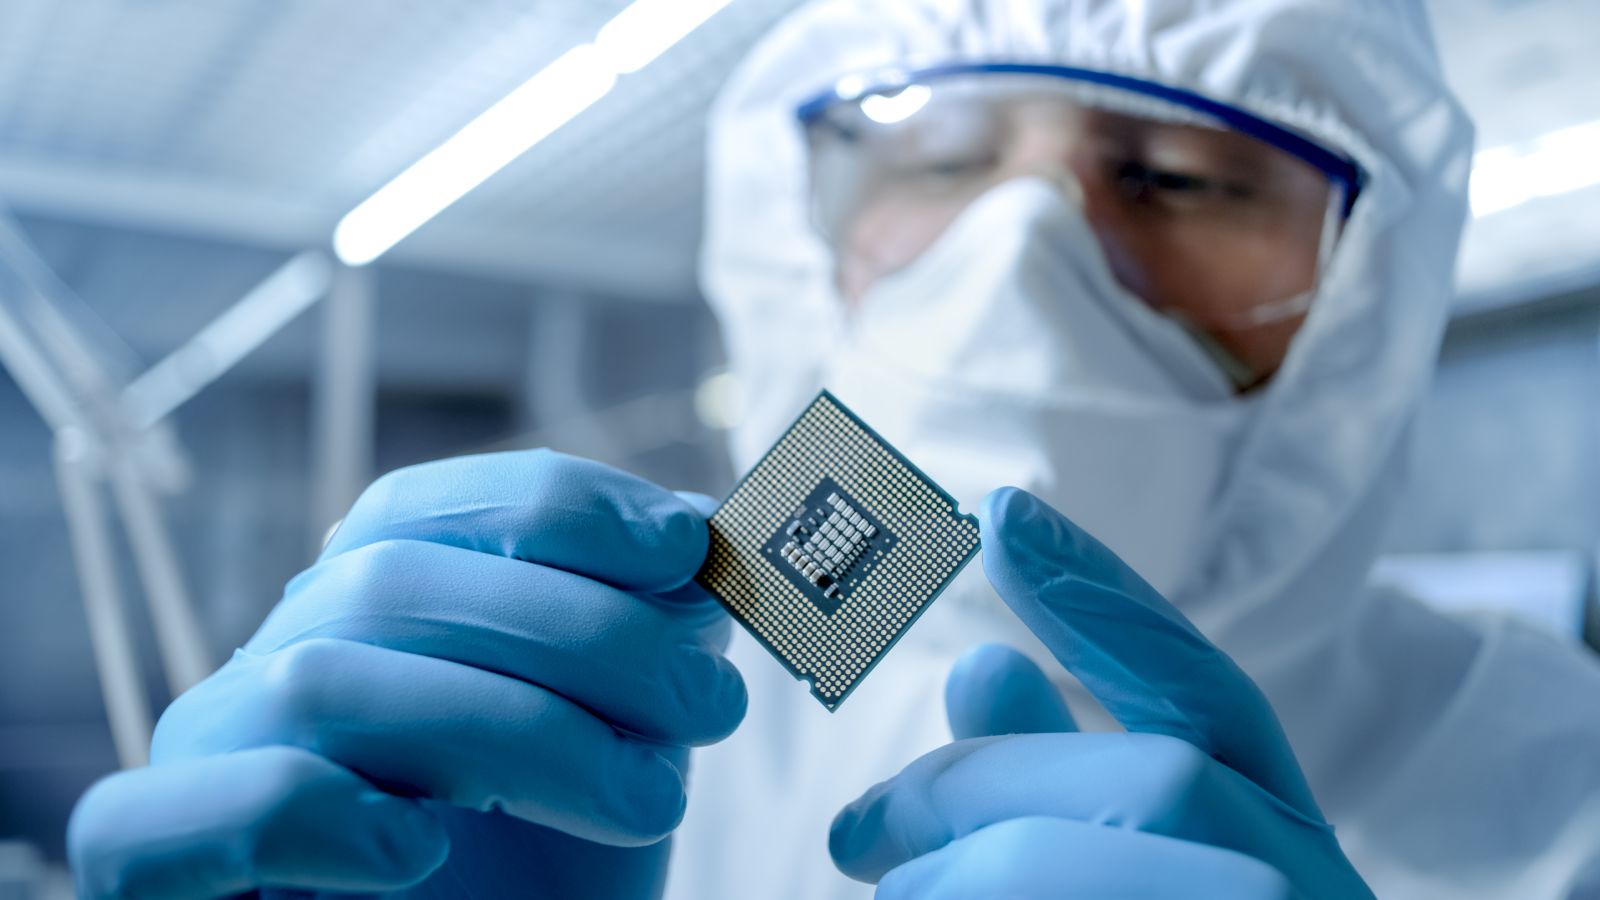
[(832, 546)]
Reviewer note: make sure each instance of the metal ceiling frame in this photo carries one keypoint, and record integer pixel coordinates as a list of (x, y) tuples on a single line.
[(112, 437), (645, 271)]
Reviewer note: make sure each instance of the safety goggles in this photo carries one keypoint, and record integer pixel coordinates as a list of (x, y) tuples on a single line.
[(1201, 208)]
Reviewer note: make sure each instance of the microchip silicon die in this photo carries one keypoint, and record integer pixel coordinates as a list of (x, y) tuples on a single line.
[(832, 546)]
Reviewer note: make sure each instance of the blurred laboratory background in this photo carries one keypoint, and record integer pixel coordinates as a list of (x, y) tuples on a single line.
[(194, 386)]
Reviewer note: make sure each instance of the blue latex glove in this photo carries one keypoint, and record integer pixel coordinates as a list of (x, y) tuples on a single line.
[(483, 688), (1201, 797)]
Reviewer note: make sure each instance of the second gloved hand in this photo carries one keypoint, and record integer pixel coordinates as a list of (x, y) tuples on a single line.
[(485, 687), (1201, 797)]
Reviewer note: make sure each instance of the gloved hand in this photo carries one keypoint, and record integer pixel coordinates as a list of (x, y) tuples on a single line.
[(1201, 797), (497, 659)]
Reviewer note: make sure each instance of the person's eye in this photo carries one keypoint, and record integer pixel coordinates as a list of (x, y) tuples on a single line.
[(1145, 182), (947, 168), (955, 167)]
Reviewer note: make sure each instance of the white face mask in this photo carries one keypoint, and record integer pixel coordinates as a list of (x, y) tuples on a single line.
[(1008, 354)]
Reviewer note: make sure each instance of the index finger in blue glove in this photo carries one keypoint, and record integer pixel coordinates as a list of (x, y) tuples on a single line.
[(275, 816), (425, 726), (1133, 650), (644, 666), (538, 506)]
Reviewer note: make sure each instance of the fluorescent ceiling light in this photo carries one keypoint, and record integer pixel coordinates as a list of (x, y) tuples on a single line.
[(486, 145), (1557, 163), (550, 99), (648, 28)]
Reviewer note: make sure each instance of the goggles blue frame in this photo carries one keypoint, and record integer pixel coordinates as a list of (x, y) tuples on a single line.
[(1339, 169)]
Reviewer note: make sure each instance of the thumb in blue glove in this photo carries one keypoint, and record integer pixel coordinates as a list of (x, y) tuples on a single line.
[(1201, 797), (994, 690)]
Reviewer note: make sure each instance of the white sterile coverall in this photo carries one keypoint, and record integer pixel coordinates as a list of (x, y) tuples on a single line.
[(1455, 758)]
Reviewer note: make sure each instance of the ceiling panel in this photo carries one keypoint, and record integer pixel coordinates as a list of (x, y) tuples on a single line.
[(303, 95), (263, 121), (1524, 67)]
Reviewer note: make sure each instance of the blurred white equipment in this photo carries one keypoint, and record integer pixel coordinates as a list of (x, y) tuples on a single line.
[(1545, 588), (109, 422)]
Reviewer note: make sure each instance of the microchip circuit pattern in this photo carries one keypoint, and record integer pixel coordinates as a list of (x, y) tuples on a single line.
[(831, 546)]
